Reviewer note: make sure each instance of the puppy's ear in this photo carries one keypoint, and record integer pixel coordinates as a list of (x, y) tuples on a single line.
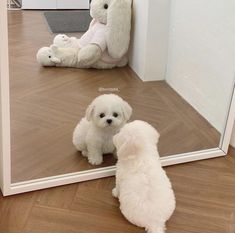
[(90, 111), (130, 148), (115, 139), (126, 110), (156, 136)]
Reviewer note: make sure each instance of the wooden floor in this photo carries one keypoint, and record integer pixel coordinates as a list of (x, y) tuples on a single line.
[(47, 103), (205, 197)]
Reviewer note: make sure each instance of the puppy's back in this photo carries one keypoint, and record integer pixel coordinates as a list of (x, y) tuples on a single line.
[(79, 134), (146, 194)]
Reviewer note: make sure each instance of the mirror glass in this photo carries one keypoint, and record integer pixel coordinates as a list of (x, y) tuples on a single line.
[(188, 108)]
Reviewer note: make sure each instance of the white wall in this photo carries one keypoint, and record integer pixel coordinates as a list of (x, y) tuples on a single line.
[(149, 43), (233, 137), (139, 37), (201, 63), (55, 4)]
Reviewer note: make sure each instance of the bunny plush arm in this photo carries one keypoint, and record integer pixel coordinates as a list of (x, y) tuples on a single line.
[(93, 44)]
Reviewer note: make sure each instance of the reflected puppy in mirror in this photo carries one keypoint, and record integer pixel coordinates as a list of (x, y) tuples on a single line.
[(105, 116), (142, 186)]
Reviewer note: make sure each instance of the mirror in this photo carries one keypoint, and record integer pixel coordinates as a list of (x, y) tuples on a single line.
[(188, 106)]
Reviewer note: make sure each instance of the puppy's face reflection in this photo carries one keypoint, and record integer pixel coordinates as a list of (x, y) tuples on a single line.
[(108, 117)]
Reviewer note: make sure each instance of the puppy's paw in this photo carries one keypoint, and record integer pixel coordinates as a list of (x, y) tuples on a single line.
[(115, 192), (156, 229), (95, 160), (84, 153)]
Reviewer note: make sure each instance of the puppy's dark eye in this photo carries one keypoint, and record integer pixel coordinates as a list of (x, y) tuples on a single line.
[(49, 56), (115, 114), (102, 115), (106, 6)]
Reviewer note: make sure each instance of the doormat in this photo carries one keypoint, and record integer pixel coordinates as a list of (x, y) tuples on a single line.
[(68, 21)]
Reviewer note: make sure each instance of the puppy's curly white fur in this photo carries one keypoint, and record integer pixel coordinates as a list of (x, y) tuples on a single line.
[(93, 135), (142, 186)]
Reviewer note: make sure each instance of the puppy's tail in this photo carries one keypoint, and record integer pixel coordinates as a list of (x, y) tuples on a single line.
[(156, 229)]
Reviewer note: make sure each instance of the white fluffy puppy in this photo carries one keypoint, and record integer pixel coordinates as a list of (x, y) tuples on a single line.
[(93, 135), (63, 41), (142, 186)]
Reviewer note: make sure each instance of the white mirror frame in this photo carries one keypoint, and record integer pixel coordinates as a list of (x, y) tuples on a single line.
[(9, 188)]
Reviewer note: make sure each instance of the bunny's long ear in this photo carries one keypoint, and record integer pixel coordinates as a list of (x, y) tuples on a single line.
[(118, 27)]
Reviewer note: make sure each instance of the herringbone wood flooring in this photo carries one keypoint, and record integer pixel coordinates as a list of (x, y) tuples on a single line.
[(205, 197), (47, 103)]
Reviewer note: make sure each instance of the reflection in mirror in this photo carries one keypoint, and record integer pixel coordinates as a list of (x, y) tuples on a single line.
[(188, 108)]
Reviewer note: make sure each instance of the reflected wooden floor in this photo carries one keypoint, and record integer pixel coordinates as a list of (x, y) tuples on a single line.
[(47, 103), (205, 194)]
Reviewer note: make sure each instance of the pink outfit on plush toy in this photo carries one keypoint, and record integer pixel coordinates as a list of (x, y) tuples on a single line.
[(96, 35)]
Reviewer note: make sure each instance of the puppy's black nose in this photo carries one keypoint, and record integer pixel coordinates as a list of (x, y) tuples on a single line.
[(109, 121)]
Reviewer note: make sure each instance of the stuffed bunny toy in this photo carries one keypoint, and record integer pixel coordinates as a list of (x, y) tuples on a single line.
[(105, 44)]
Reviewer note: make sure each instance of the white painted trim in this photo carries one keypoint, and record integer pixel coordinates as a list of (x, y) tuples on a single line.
[(70, 178), (228, 128), (4, 102), (5, 174)]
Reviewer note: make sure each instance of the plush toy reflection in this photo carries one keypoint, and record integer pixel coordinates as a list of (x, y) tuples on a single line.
[(93, 136), (142, 186), (106, 42)]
